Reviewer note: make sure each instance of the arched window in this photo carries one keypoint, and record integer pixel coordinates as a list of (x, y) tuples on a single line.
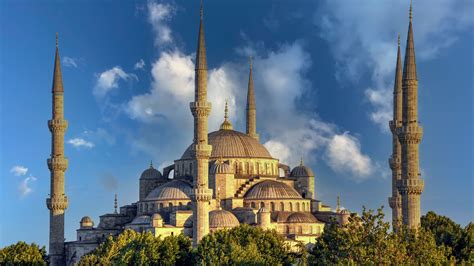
[(272, 204), (170, 205), (180, 204), (146, 207), (161, 206), (253, 205), (297, 206), (282, 206), (262, 204), (291, 206)]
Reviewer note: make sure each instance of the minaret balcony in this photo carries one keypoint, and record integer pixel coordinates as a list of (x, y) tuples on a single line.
[(410, 134), (200, 108), (410, 186), (201, 194), (57, 163), (57, 203), (57, 125), (394, 162)]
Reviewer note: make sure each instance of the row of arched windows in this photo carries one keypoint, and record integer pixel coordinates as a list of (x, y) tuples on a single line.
[(152, 207), (289, 206)]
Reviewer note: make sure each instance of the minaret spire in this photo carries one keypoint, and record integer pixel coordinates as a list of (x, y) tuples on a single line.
[(201, 150), (115, 204), (57, 164), (395, 159), (410, 185), (251, 107)]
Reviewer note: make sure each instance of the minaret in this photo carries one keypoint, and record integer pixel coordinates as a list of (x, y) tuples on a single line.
[(251, 107), (200, 109), (409, 134), (395, 160), (115, 204), (57, 164)]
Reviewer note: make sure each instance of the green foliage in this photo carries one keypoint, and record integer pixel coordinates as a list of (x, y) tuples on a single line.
[(447, 233), (246, 245), (368, 240), (132, 248), (22, 253)]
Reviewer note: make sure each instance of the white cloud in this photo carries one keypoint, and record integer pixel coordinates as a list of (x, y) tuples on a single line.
[(79, 142), (344, 155), (280, 86), (363, 40), (158, 15), (19, 170), (25, 186), (139, 65), (69, 62), (108, 80)]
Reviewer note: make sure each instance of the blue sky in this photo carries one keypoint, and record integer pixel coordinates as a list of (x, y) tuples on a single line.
[(323, 76)]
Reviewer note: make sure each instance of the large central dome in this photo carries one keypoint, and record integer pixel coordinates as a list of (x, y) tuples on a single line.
[(232, 144)]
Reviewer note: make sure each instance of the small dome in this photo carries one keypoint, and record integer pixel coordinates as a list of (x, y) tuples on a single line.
[(221, 168), (301, 217), (271, 189), (143, 219), (156, 216), (86, 222), (301, 171), (150, 173), (222, 219), (173, 190)]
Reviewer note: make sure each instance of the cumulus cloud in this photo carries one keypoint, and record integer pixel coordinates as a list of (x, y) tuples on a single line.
[(25, 186), (139, 65), (158, 16), (69, 62), (363, 40), (80, 143), (108, 80), (280, 77), (19, 170), (344, 155)]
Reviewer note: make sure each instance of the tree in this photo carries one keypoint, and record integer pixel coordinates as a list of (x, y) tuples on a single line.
[(246, 245), (135, 248), (368, 240), (22, 253), (457, 240)]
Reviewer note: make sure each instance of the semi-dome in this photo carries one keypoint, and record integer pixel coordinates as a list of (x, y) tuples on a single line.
[(222, 219), (150, 173), (301, 171), (86, 222), (173, 190), (221, 168), (232, 144), (301, 217), (271, 189), (142, 219)]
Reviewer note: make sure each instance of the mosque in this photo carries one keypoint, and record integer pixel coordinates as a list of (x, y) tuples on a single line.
[(223, 179)]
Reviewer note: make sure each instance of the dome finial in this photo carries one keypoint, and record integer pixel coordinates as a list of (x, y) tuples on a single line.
[(301, 161), (226, 125), (115, 204), (411, 10), (218, 198), (151, 164)]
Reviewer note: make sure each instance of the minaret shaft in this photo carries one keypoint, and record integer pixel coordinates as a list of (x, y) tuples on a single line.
[(395, 160), (251, 108), (409, 134), (57, 164), (200, 109)]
